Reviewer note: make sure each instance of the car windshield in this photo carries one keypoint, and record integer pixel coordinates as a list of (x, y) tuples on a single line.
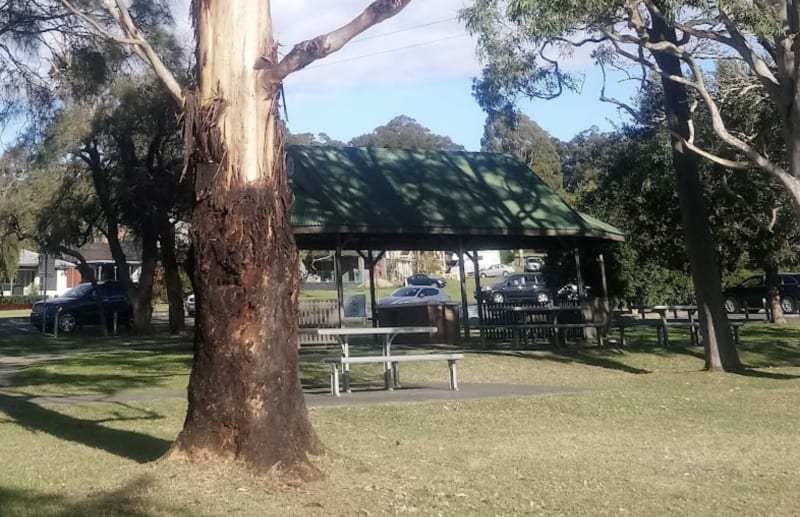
[(79, 291), (406, 291)]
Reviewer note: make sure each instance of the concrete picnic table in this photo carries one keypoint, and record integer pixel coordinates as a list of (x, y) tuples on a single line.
[(388, 334)]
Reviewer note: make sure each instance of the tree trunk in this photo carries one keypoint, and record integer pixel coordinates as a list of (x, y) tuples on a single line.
[(141, 293), (720, 349), (245, 397), (172, 277), (773, 301)]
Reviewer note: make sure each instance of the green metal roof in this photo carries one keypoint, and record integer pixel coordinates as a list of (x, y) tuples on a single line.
[(412, 196)]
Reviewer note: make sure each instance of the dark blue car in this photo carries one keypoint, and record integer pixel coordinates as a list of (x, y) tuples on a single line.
[(79, 306)]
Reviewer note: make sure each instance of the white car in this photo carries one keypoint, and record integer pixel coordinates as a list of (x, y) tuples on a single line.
[(188, 304), (415, 294), (497, 270)]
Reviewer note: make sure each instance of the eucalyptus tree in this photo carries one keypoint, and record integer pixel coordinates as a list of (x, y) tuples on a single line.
[(517, 134), (403, 132), (523, 43), (245, 398)]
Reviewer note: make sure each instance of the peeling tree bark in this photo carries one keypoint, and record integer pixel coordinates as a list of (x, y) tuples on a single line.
[(245, 398)]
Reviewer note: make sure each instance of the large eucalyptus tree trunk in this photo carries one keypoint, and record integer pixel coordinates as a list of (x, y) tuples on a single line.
[(720, 349), (245, 398)]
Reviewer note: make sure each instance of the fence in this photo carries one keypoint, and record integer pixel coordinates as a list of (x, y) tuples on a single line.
[(498, 319)]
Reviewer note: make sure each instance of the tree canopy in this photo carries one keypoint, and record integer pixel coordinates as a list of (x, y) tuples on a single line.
[(517, 134), (403, 132)]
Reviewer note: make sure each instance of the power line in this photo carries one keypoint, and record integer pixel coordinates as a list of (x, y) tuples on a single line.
[(388, 51), (365, 38)]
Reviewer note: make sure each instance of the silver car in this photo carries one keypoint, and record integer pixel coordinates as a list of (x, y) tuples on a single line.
[(497, 270), (415, 294)]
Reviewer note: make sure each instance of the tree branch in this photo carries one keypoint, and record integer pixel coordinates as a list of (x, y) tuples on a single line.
[(134, 40), (308, 51)]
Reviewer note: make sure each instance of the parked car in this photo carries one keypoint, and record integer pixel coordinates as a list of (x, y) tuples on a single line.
[(188, 304), (497, 270), (525, 288), (424, 279), (415, 294), (78, 306), (752, 293), (533, 264)]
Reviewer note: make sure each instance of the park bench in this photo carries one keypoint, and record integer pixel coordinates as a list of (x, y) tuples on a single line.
[(661, 326), (519, 330), (336, 363)]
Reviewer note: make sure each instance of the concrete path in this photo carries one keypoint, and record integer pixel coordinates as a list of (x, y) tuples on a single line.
[(321, 398)]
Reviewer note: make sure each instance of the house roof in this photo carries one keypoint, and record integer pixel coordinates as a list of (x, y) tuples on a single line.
[(31, 259), (100, 253), (28, 258), (416, 199)]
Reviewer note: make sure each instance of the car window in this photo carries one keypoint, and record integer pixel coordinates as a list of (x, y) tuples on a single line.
[(788, 280), (753, 281), (429, 292), (406, 291), (79, 291), (515, 282)]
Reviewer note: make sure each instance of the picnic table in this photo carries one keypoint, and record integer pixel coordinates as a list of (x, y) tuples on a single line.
[(388, 335), (666, 322)]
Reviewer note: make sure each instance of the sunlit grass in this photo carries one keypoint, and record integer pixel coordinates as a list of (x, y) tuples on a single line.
[(649, 433)]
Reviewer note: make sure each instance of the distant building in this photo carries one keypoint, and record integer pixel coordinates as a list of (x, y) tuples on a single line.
[(40, 273)]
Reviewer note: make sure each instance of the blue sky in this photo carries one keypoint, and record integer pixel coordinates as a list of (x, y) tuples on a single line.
[(444, 106), (419, 63)]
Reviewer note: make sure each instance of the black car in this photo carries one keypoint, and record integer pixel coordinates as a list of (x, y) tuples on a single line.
[(79, 306), (425, 279), (518, 288), (752, 293)]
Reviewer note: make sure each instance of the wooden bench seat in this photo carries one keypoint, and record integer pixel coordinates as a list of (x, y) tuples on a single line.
[(661, 326), (518, 328), (391, 375)]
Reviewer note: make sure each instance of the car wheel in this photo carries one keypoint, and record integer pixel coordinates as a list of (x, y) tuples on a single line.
[(731, 305), (788, 305), (505, 273), (498, 298), (483, 275), (67, 323)]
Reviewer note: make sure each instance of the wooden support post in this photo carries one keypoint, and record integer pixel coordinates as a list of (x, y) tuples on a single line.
[(579, 277), (462, 276), (337, 271)]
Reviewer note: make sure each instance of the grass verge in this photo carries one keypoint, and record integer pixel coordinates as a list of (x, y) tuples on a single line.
[(650, 434)]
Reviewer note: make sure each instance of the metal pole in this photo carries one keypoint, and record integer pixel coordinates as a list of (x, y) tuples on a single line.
[(337, 268), (603, 275), (579, 276), (372, 300), (44, 295), (462, 275)]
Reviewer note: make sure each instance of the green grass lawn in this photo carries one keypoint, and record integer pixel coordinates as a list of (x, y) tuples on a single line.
[(647, 433)]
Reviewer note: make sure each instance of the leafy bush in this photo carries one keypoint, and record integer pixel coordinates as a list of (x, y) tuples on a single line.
[(19, 299)]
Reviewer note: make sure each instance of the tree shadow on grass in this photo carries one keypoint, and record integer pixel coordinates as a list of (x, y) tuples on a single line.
[(126, 501), (761, 374), (139, 447), (601, 359)]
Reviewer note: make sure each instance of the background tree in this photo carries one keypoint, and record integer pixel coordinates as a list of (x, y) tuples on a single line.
[(517, 134), (519, 40), (404, 132)]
